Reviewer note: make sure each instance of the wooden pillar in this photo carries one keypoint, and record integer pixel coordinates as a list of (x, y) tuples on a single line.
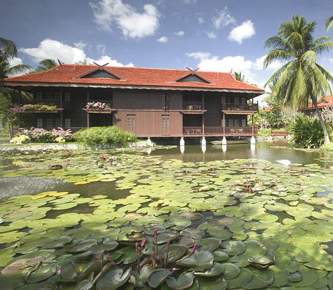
[(203, 115), (252, 125), (61, 112), (88, 117), (223, 123)]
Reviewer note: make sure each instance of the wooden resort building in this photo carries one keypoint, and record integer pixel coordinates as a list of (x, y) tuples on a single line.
[(149, 102)]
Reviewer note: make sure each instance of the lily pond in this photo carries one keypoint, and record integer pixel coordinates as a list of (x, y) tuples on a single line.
[(121, 220)]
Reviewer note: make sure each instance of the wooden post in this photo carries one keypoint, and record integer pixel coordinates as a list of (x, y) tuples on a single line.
[(223, 123), (252, 125), (203, 115), (61, 112), (88, 117)]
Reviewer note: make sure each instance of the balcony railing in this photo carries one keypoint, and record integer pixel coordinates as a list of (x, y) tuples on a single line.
[(218, 131), (193, 106), (52, 101), (240, 107)]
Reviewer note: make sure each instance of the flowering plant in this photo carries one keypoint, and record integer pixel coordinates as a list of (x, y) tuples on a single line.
[(58, 135), (34, 107), (97, 106), (20, 139)]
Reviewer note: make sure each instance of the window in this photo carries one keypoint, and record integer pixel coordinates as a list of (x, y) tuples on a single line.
[(38, 95), (243, 122), (165, 124), (101, 73), (67, 97), (57, 123), (39, 123), (131, 120), (193, 78), (68, 123)]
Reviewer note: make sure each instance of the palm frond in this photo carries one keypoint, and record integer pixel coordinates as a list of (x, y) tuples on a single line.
[(329, 23), (17, 69), (7, 48), (276, 54)]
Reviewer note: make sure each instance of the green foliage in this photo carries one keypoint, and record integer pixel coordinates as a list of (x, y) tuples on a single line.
[(301, 78), (307, 131), (104, 136), (329, 23), (265, 132), (39, 107), (45, 64)]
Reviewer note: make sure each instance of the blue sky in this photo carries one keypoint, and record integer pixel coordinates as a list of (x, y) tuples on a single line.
[(209, 34)]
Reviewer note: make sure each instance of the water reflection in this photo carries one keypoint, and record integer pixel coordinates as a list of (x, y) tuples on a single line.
[(240, 151)]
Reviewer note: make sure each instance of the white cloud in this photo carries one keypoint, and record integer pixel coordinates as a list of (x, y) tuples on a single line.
[(275, 65), (201, 20), (15, 61), (163, 39), (223, 19), (244, 31), (54, 49), (131, 23), (211, 35), (180, 33), (80, 45), (252, 69)]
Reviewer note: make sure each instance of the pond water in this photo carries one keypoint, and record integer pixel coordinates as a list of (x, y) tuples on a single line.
[(221, 220)]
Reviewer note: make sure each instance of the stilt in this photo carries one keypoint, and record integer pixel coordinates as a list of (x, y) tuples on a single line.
[(149, 150), (253, 140), (182, 149), (149, 142), (203, 141), (203, 148), (224, 148), (253, 148), (182, 141), (224, 141)]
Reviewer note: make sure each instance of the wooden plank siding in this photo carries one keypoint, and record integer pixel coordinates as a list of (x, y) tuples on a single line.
[(147, 113)]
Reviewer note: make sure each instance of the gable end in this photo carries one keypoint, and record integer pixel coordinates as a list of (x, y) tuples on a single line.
[(193, 78), (100, 73)]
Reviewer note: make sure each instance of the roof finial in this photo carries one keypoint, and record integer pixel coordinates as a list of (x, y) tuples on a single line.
[(60, 63), (100, 65), (193, 71)]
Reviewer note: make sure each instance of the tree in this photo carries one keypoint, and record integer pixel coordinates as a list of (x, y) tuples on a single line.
[(45, 64), (329, 23), (8, 51), (301, 78), (239, 76)]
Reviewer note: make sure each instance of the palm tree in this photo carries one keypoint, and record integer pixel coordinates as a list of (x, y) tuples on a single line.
[(46, 64), (329, 23), (239, 76), (301, 78), (8, 51)]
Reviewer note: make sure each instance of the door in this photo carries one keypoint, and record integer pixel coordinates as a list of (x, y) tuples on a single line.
[(165, 125), (131, 122)]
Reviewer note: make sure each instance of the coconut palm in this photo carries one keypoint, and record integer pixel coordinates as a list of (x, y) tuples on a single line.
[(46, 64), (329, 23), (239, 76), (301, 78), (8, 51)]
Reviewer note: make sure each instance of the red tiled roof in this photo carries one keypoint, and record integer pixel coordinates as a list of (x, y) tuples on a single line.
[(132, 77), (326, 102)]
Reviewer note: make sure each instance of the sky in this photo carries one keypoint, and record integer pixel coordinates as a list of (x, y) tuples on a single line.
[(214, 35)]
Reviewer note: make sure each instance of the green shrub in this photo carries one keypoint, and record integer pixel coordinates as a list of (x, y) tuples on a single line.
[(264, 132), (104, 136), (306, 131)]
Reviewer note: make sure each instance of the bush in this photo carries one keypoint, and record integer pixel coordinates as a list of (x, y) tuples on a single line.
[(306, 131), (20, 139), (264, 132), (39, 135), (104, 136)]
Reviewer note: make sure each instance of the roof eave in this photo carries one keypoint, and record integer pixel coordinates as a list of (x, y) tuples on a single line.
[(142, 87)]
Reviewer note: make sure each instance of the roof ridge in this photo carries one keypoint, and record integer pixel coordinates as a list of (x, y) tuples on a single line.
[(146, 68)]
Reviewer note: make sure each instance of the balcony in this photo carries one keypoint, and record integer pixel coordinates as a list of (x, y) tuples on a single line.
[(239, 109), (218, 131), (193, 108), (37, 108)]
